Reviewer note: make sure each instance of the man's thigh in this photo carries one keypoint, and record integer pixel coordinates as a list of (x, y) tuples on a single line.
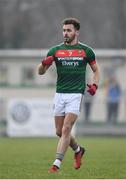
[(67, 103), (73, 104), (59, 105)]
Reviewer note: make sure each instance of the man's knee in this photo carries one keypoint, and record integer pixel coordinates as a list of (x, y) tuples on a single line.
[(66, 130), (58, 133)]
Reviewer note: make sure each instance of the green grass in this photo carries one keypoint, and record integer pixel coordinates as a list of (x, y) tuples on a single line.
[(30, 158)]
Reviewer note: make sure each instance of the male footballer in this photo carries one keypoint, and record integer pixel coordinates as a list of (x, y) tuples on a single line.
[(71, 58)]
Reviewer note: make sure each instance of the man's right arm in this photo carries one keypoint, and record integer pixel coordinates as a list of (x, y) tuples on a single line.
[(42, 69), (45, 64)]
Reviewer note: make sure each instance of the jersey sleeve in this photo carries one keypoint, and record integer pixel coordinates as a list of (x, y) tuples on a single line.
[(51, 52), (91, 56)]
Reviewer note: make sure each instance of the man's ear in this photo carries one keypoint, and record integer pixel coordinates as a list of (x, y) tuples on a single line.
[(77, 33)]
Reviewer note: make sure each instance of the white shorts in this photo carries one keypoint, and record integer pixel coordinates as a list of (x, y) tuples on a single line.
[(67, 103)]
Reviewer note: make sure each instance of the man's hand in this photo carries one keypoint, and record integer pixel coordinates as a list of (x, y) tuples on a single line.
[(48, 61), (92, 88)]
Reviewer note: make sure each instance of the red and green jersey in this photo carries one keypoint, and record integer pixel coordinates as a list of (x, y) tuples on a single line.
[(71, 62)]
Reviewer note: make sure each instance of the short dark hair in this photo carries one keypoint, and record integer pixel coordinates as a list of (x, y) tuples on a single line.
[(73, 21)]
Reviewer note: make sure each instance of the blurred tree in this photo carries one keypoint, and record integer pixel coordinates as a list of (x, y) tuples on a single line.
[(28, 24)]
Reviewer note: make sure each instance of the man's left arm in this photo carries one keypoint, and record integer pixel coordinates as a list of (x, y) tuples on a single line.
[(96, 73), (96, 76)]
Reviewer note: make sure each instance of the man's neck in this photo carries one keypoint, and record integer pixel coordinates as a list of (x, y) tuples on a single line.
[(74, 42)]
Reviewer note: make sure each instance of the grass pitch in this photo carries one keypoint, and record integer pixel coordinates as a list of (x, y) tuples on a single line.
[(30, 158)]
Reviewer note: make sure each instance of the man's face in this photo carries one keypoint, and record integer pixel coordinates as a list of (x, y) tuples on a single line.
[(69, 33)]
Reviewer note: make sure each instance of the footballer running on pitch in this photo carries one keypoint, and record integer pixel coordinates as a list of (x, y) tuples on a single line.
[(71, 58)]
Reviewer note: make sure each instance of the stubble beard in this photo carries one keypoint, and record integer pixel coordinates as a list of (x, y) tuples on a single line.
[(69, 39)]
